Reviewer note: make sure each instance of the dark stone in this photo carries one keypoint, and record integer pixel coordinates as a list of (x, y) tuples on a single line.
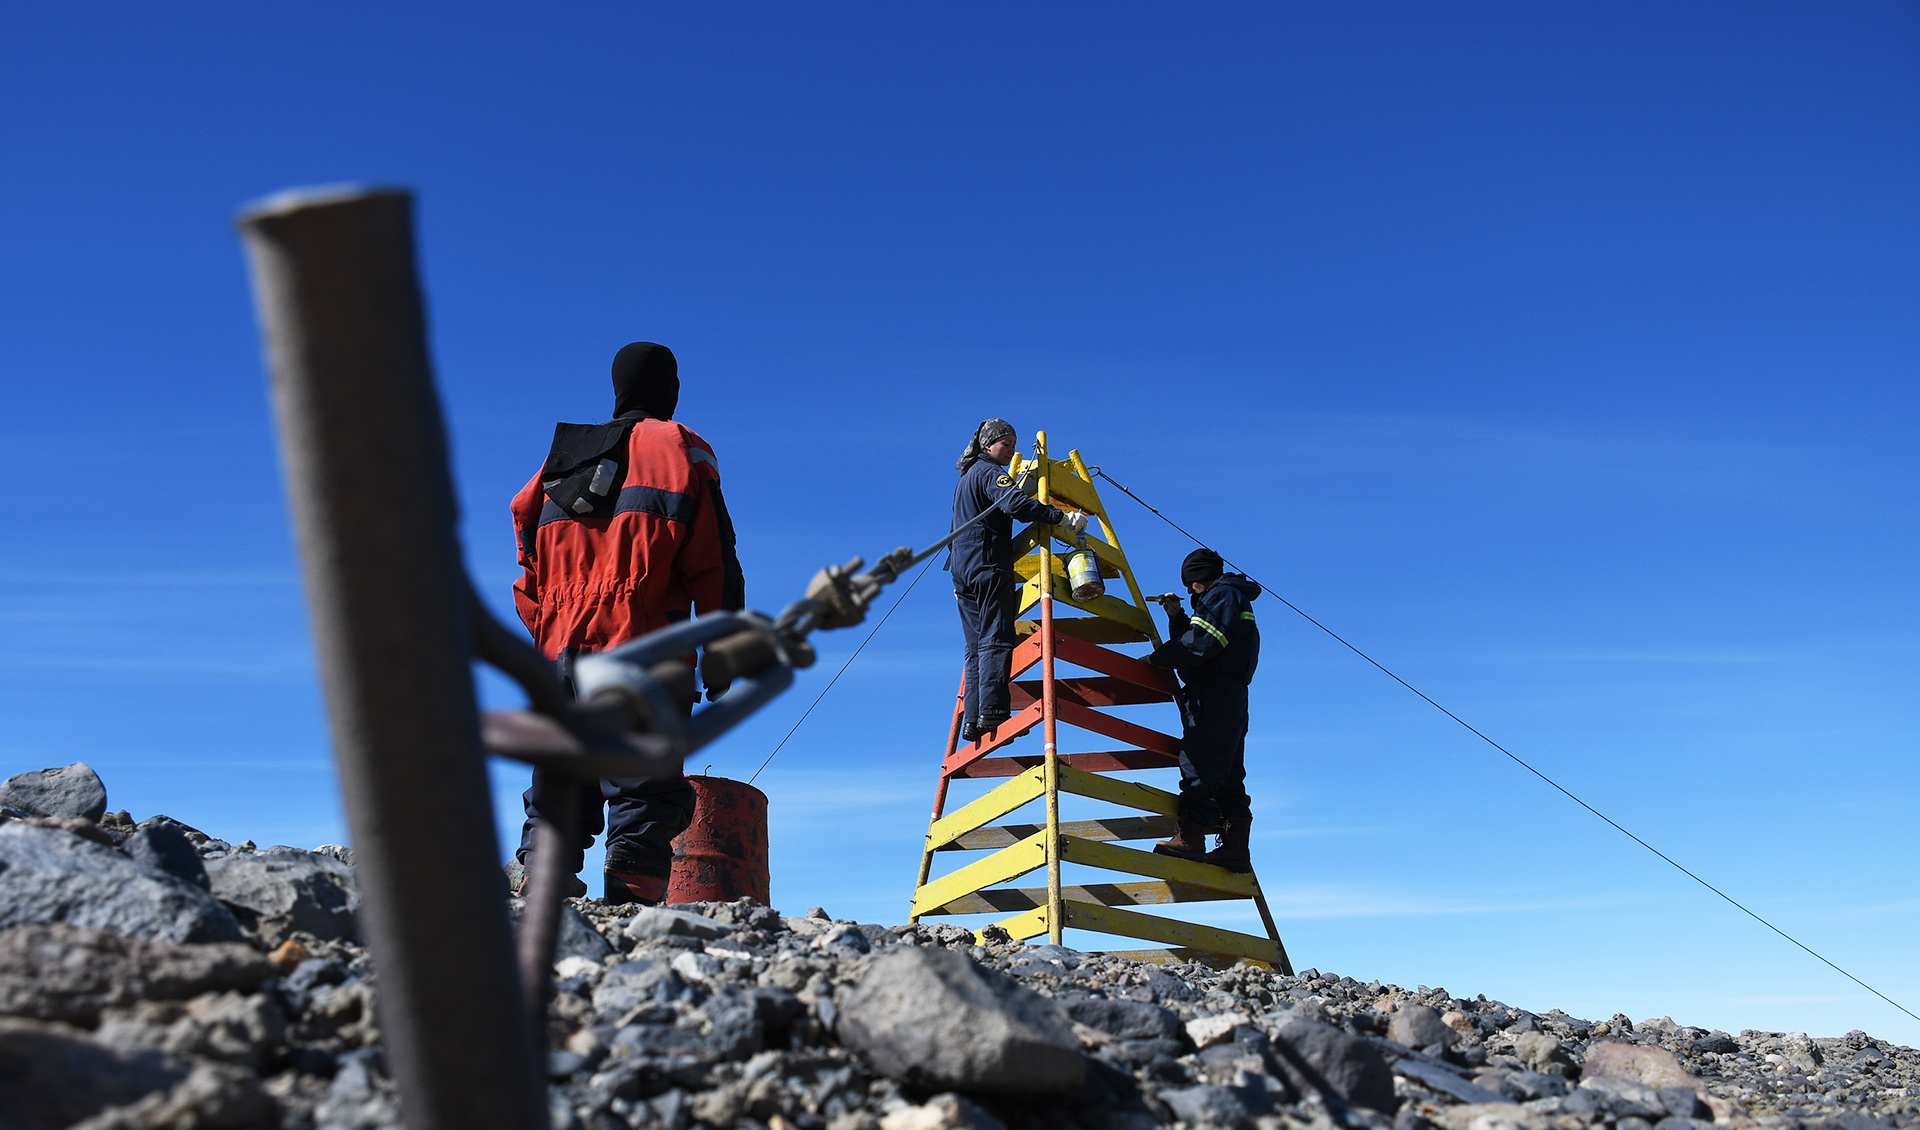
[(578, 938), (777, 1007), (1534, 1085), (1128, 1020), (61, 972), (632, 984), (1322, 1058), (1419, 1026), (934, 1019), (1216, 1106), (49, 876), (165, 848), (74, 790), (53, 1076), (1684, 1102), (1717, 1044), (1447, 1083), (274, 893)]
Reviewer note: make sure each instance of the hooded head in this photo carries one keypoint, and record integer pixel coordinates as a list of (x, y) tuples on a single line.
[(646, 378), (1202, 565), (986, 435)]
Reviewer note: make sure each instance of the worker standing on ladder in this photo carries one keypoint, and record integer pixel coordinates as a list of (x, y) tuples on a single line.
[(981, 561), (1214, 652), (622, 530)]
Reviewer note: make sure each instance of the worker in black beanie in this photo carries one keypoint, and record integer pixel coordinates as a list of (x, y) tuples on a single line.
[(1214, 652)]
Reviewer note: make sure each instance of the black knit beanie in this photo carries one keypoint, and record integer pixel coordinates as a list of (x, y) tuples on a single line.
[(1200, 565), (646, 378)]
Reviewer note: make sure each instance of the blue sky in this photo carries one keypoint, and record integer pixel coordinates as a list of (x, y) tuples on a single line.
[(1560, 357)]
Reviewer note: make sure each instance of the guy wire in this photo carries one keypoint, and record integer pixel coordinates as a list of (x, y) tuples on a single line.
[(1516, 760), (843, 667)]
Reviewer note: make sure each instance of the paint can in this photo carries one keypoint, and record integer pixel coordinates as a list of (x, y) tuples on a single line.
[(1083, 576), (722, 855)]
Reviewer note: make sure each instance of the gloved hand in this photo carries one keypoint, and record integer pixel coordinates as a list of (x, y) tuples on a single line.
[(1076, 521), (1169, 601)]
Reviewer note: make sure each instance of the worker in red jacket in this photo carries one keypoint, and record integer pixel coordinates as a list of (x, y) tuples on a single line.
[(622, 531)]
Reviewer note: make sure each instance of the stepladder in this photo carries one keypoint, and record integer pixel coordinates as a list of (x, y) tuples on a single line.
[(1069, 676)]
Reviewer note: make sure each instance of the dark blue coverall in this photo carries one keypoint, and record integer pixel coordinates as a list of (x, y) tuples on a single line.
[(981, 561), (1214, 651)]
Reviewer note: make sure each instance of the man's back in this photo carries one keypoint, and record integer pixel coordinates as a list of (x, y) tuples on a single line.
[(663, 544)]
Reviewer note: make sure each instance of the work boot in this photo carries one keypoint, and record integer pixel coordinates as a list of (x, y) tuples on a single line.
[(1188, 843), (1232, 853), (624, 887), (969, 731), (520, 873), (988, 721)]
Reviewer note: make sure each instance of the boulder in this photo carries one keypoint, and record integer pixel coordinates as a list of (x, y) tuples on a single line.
[(1126, 1020), (1418, 1026), (659, 922), (164, 847), (75, 790), (61, 972), (274, 893), (935, 1020), (1655, 1067), (1320, 1058), (1542, 1053), (48, 876), (53, 1076)]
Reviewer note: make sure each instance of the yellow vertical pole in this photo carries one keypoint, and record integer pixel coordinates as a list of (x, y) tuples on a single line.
[(1054, 910), (1113, 539)]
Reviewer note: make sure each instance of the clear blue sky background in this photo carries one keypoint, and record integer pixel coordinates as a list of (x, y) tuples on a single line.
[(1561, 356)]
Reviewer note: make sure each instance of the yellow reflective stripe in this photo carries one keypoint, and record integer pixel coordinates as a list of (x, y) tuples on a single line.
[(1246, 615), (1211, 630)]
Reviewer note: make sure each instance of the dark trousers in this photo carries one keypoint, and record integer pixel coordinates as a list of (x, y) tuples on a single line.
[(642, 818), (986, 622), (1213, 753)]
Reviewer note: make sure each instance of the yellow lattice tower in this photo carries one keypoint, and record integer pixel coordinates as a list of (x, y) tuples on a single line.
[(1083, 638)]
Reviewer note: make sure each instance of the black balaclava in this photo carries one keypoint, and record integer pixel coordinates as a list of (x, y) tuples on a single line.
[(1200, 565), (984, 436), (646, 379)]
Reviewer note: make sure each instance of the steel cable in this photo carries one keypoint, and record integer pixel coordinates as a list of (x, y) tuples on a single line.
[(1735, 903), (843, 667)]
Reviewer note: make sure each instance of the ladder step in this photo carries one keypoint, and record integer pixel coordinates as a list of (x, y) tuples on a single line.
[(1092, 629), (1100, 690), (1006, 864), (1114, 761), (1191, 935), (1112, 828), (1133, 861), (1000, 900)]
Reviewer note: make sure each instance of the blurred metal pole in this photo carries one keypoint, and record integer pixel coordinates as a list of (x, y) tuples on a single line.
[(365, 456)]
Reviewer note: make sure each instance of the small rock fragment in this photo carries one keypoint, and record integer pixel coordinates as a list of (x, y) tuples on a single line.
[(1419, 1026), (659, 922)]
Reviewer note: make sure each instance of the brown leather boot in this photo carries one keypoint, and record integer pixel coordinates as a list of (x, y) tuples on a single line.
[(1188, 843), (1232, 853)]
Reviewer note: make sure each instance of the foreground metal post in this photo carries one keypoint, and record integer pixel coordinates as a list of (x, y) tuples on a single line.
[(365, 457)]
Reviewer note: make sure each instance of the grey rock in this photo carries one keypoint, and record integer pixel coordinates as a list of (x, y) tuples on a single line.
[(1127, 1020), (163, 847), (659, 922), (634, 984), (61, 972), (1320, 1058), (936, 1020), (1542, 1053), (54, 1076), (1447, 1083), (214, 1096), (48, 876), (230, 1027), (1418, 1026), (578, 938), (1684, 1102), (1216, 1106), (1625, 1098), (274, 893), (1537, 1085), (74, 790)]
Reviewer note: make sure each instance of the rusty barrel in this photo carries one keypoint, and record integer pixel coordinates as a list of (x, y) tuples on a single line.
[(722, 855)]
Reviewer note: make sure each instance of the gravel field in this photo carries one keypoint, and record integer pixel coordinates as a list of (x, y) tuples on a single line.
[(152, 976)]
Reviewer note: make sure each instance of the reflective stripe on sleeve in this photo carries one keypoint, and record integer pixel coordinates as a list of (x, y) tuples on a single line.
[(1211, 630)]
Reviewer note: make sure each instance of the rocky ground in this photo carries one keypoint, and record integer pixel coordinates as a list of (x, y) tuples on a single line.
[(152, 976)]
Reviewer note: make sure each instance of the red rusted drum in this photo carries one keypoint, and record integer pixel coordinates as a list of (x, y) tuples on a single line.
[(722, 855)]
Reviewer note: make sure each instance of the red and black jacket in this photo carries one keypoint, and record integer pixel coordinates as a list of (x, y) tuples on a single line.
[(663, 544)]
